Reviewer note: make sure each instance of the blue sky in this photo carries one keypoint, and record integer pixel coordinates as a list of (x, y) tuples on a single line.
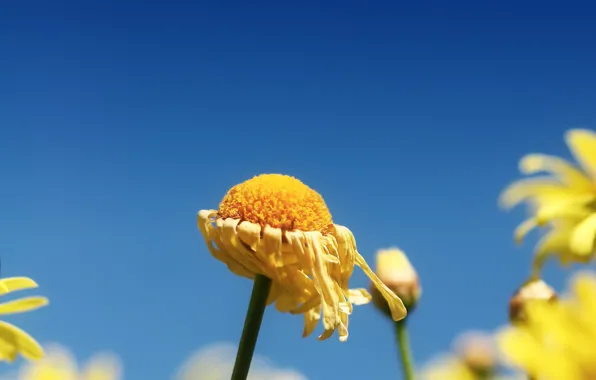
[(120, 120)]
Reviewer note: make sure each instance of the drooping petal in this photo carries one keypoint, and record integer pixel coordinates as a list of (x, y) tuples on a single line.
[(523, 229), (22, 305), (396, 305)]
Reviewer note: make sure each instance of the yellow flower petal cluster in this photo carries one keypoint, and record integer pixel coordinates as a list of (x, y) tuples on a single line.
[(14, 341), (565, 200), (276, 226), (557, 339), (59, 364)]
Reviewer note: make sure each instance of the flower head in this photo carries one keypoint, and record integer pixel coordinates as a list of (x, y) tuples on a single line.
[(14, 341), (565, 201), (276, 226), (556, 341), (395, 270), (473, 358), (531, 291), (59, 364)]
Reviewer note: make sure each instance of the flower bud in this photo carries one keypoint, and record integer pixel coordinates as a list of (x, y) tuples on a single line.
[(395, 270), (532, 290), (477, 351)]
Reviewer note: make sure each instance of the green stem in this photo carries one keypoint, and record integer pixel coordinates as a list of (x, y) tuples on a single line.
[(252, 325), (401, 333)]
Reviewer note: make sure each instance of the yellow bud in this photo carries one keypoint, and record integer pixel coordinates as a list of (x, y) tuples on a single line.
[(533, 290), (395, 270)]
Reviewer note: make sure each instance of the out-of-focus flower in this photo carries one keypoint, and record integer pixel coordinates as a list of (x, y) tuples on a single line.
[(14, 341), (216, 362), (474, 358), (533, 290), (276, 226), (395, 270), (565, 200), (557, 339), (477, 351), (59, 364), (448, 367)]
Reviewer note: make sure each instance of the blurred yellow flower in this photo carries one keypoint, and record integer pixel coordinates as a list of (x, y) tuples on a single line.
[(448, 367), (276, 226), (565, 200), (59, 364), (557, 340), (474, 358), (530, 291), (395, 270), (14, 341)]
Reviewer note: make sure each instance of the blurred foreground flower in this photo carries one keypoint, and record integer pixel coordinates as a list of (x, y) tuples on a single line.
[(557, 339), (12, 339), (215, 363), (474, 358), (276, 226), (533, 290), (395, 270), (565, 200), (59, 364)]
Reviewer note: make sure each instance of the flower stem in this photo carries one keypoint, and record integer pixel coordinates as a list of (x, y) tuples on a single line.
[(403, 342), (252, 325)]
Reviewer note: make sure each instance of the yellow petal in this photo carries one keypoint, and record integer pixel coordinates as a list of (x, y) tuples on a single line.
[(12, 284), (582, 238), (525, 189), (396, 305), (58, 364), (522, 230), (571, 207), (582, 143), (555, 242), (359, 296), (11, 335), (104, 367), (566, 172), (22, 305)]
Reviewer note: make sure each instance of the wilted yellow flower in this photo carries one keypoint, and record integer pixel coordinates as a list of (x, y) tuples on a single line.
[(14, 341), (395, 270), (565, 200), (276, 226), (59, 364), (533, 290), (557, 340)]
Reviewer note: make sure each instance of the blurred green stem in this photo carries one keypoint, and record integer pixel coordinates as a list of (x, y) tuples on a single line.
[(403, 342), (252, 325)]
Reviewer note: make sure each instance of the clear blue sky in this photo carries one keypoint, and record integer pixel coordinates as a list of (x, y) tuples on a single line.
[(119, 120)]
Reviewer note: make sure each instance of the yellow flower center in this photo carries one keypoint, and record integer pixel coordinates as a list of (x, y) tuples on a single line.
[(279, 201)]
